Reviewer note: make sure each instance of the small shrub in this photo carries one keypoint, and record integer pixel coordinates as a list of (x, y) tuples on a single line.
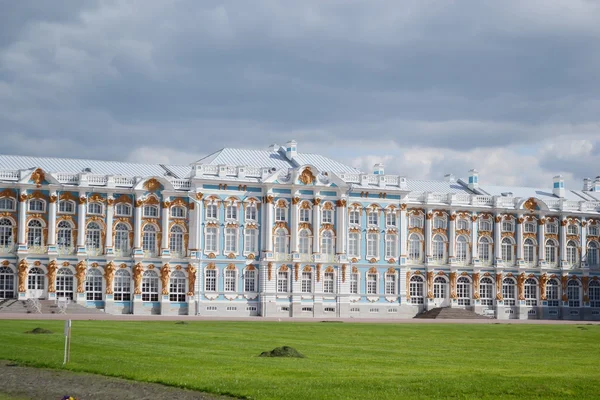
[(180, 323), (285, 351), (38, 331)]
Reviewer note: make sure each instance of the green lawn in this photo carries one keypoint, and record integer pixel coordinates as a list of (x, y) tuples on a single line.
[(360, 361)]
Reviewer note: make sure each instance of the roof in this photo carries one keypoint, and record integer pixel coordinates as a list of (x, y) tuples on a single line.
[(526, 192), (421, 185)]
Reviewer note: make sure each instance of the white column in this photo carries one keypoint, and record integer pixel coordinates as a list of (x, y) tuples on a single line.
[(403, 230), (165, 226), (52, 220), (192, 226), (316, 226), (428, 218), (519, 238), (541, 243), (137, 225), (110, 213), (474, 235), (268, 229), (81, 212), (199, 216), (583, 244), (294, 226), (341, 215), (22, 218), (563, 241), (498, 236), (452, 237)]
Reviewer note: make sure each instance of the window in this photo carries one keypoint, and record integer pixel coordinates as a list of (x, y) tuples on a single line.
[(552, 292), (93, 243), (485, 250), (416, 289), (551, 252), (462, 224), (574, 293), (593, 293), (178, 212), (438, 248), (508, 226), (507, 251), (250, 280), (304, 242), (122, 239), (251, 241), (509, 288), (463, 291), (414, 248), (211, 240), (327, 216), (251, 212), (304, 215), (281, 214), (64, 235), (354, 217), (354, 283), (176, 240), (231, 212), (485, 225), (390, 219), (94, 208), (230, 280), (354, 244), (415, 222), (93, 285), (572, 229), (328, 282), (594, 230), (530, 227), (149, 239), (282, 282), (551, 227), (486, 291), (7, 204), (530, 292), (123, 210), (150, 286), (212, 211), (122, 284), (6, 232), (390, 284), (371, 283), (373, 218), (306, 282), (66, 207), (36, 205), (231, 240), (529, 251), (372, 245), (391, 246), (177, 287), (439, 223), (592, 254), (572, 257), (151, 211), (210, 280), (280, 241), (462, 248), (440, 288), (35, 279), (64, 283), (327, 242)]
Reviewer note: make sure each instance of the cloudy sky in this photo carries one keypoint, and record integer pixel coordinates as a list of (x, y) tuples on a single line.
[(429, 87)]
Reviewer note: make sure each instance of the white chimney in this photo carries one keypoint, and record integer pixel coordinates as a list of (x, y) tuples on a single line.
[(596, 186), (449, 178), (473, 179), (559, 186), (587, 184), (378, 169), (291, 149)]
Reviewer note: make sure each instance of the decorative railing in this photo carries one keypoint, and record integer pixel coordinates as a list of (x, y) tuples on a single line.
[(282, 257), (93, 251), (37, 249), (9, 175), (122, 253), (65, 250), (67, 178), (150, 253), (7, 249), (124, 181), (181, 183)]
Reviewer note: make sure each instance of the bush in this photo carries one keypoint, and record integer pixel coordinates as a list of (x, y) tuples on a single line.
[(38, 331), (285, 351)]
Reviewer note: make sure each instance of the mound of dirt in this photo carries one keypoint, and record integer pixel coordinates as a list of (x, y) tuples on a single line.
[(285, 351), (38, 331)]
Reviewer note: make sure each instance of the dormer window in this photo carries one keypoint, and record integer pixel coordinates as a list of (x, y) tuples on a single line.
[(123, 210), (251, 212), (36, 205), (66, 207), (151, 211), (178, 212), (373, 218), (390, 219), (529, 227), (94, 208), (211, 211), (231, 212)]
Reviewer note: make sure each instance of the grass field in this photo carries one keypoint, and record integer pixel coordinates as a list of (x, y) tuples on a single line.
[(344, 361)]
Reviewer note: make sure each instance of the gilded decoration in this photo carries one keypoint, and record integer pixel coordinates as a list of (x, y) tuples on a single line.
[(8, 193), (82, 200), (318, 272), (80, 275), (392, 260), (573, 237), (36, 195), (499, 287), (521, 285), (520, 220), (343, 273), (543, 280), (250, 256), (23, 275), (463, 232), (37, 263), (452, 217), (305, 205), (52, 199), (166, 204), (354, 270), (327, 227), (269, 199), (307, 268), (403, 206), (284, 268), (530, 204), (304, 225), (38, 176), (191, 279), (529, 236), (52, 267), (485, 233), (474, 218), (507, 234), (211, 255), (407, 285), (23, 197), (329, 269), (564, 222), (440, 231), (341, 203), (5, 263), (328, 206), (373, 260), (96, 197), (415, 230), (279, 225), (552, 236), (123, 265), (564, 281), (476, 285), (307, 177), (453, 285), (316, 201), (230, 256), (295, 200), (138, 270), (270, 270), (498, 219), (151, 201), (430, 275), (373, 230), (65, 264), (429, 216), (585, 281), (296, 268), (109, 276), (281, 203), (354, 260), (212, 225), (152, 185), (165, 272)]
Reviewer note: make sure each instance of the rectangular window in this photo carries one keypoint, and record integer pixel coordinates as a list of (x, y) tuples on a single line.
[(327, 216), (231, 212), (306, 282), (251, 213), (551, 228), (372, 245), (328, 282), (250, 281), (354, 283), (211, 280), (282, 282), (354, 245), (251, 241), (371, 283), (211, 211), (391, 246), (354, 217), (373, 218), (230, 276), (304, 215), (390, 284), (211, 240), (230, 240), (151, 211), (390, 219), (280, 214)]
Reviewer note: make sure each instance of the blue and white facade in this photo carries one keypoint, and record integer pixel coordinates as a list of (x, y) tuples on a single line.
[(279, 233)]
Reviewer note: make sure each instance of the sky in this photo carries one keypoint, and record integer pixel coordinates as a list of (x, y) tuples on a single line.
[(509, 87)]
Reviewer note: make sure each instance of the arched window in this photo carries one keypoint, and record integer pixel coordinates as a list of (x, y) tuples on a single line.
[(354, 244), (551, 228), (440, 288), (486, 291), (231, 240), (390, 284), (462, 224), (307, 281), (354, 217), (574, 293), (485, 225), (231, 212), (327, 216), (328, 282), (212, 211), (485, 250), (93, 285), (6, 233), (149, 286), (372, 245), (529, 251), (64, 235), (416, 289), (508, 225), (438, 249), (553, 292), (530, 227), (36, 205), (64, 283), (281, 241), (7, 204), (122, 284), (572, 229), (509, 291), (373, 217), (372, 283), (250, 280), (391, 245), (123, 210), (439, 223), (531, 292), (592, 254), (594, 230), (594, 293), (35, 237), (415, 221), (149, 241), (304, 242), (151, 211), (210, 279), (251, 212), (7, 283), (211, 241), (66, 207), (390, 219), (177, 287), (572, 253), (462, 249), (122, 245), (35, 279), (93, 243), (94, 208), (178, 212), (251, 241), (463, 291), (327, 243), (508, 256), (176, 241), (415, 248), (230, 282), (283, 281), (551, 252)]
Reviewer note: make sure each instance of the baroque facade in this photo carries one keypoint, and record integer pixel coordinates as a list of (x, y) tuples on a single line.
[(280, 233)]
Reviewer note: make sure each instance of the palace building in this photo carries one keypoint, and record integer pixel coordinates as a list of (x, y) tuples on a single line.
[(279, 233)]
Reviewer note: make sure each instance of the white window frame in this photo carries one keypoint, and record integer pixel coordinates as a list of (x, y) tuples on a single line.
[(147, 213), (123, 210), (42, 206), (95, 208), (372, 245), (416, 288), (66, 207)]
